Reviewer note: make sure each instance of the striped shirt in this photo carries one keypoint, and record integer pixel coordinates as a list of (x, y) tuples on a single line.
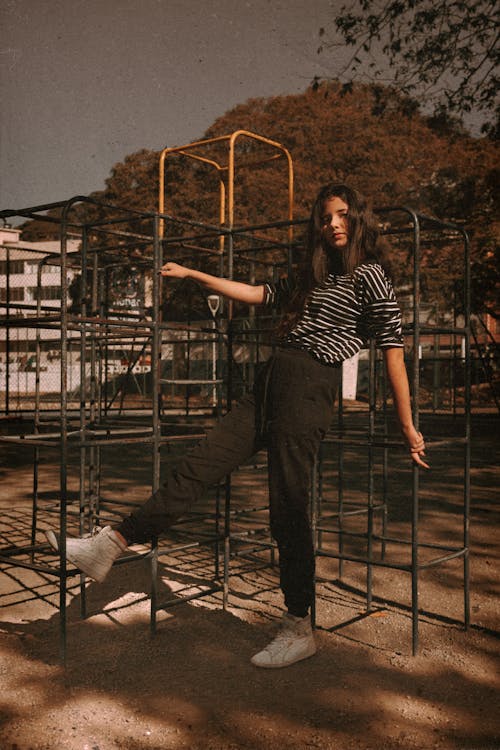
[(343, 313)]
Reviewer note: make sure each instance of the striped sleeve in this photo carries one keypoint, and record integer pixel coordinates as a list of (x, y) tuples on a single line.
[(277, 294), (381, 314)]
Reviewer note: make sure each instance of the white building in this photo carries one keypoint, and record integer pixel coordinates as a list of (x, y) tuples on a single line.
[(20, 260), (19, 283)]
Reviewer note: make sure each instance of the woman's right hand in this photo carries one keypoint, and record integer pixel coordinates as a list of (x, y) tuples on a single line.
[(175, 270), (249, 293)]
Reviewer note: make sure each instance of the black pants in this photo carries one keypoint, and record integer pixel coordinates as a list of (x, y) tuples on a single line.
[(288, 413)]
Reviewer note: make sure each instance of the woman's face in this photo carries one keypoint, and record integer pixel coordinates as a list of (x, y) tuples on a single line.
[(334, 226)]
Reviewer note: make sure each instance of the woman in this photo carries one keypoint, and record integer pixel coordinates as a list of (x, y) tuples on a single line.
[(343, 296)]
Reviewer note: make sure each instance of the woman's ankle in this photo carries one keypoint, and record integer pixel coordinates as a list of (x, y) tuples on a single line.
[(298, 613)]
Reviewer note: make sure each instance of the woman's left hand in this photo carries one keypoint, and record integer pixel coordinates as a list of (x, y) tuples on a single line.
[(416, 444)]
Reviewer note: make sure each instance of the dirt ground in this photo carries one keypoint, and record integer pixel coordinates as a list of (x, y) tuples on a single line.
[(191, 685)]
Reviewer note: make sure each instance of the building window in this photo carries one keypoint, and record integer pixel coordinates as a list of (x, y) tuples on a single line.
[(11, 266), (31, 267), (46, 293), (16, 294)]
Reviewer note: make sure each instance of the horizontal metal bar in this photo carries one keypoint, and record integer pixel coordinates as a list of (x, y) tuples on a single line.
[(190, 381), (381, 538), (356, 512), (15, 550), (169, 550), (438, 560), (188, 598), (364, 561), (440, 330), (34, 566)]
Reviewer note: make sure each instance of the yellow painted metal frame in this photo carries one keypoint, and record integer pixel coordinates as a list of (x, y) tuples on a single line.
[(230, 169)]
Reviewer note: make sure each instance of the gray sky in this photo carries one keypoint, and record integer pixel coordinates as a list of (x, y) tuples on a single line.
[(86, 82)]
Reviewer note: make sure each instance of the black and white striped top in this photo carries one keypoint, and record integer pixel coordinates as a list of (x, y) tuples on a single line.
[(343, 313)]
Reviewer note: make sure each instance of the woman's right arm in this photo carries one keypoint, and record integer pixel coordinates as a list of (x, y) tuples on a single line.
[(236, 290)]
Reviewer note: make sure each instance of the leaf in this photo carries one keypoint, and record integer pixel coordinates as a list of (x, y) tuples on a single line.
[(447, 49)]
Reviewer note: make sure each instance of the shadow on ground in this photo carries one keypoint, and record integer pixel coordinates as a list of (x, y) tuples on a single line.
[(192, 686)]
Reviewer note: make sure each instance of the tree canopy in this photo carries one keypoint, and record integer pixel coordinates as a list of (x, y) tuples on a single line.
[(377, 141), (446, 52), (370, 137)]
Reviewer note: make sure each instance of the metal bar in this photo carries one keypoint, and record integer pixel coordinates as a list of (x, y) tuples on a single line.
[(90, 328), (362, 560), (438, 560), (340, 478), (189, 597), (63, 497), (29, 565), (416, 394), (468, 434), (372, 398), (7, 338), (313, 513), (156, 411)]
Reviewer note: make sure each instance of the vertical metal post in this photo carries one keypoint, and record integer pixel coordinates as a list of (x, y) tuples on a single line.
[(63, 437), (7, 335), (101, 341), (107, 330), (229, 394), (188, 365), (467, 409), (385, 466), (213, 301), (156, 350), (435, 373), (340, 477), (39, 272), (217, 534), (93, 450), (453, 362), (229, 399), (34, 514), (318, 506), (313, 510), (416, 396), (156, 405), (372, 397), (83, 403), (36, 452)]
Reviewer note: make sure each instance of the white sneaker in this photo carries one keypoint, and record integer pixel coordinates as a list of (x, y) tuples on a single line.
[(94, 554), (295, 641)]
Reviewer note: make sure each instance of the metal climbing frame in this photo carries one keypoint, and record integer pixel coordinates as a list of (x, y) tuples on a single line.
[(370, 437), (84, 425), (88, 424), (352, 530), (94, 422), (89, 421), (220, 155)]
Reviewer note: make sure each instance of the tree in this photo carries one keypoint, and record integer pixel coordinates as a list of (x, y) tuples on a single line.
[(445, 52), (370, 137), (377, 140)]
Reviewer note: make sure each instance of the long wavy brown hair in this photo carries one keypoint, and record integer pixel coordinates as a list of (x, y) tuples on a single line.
[(364, 244)]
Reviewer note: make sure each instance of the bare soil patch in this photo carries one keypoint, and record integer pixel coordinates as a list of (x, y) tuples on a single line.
[(191, 686)]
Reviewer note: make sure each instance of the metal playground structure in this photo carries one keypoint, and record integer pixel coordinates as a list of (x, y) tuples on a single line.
[(131, 378)]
